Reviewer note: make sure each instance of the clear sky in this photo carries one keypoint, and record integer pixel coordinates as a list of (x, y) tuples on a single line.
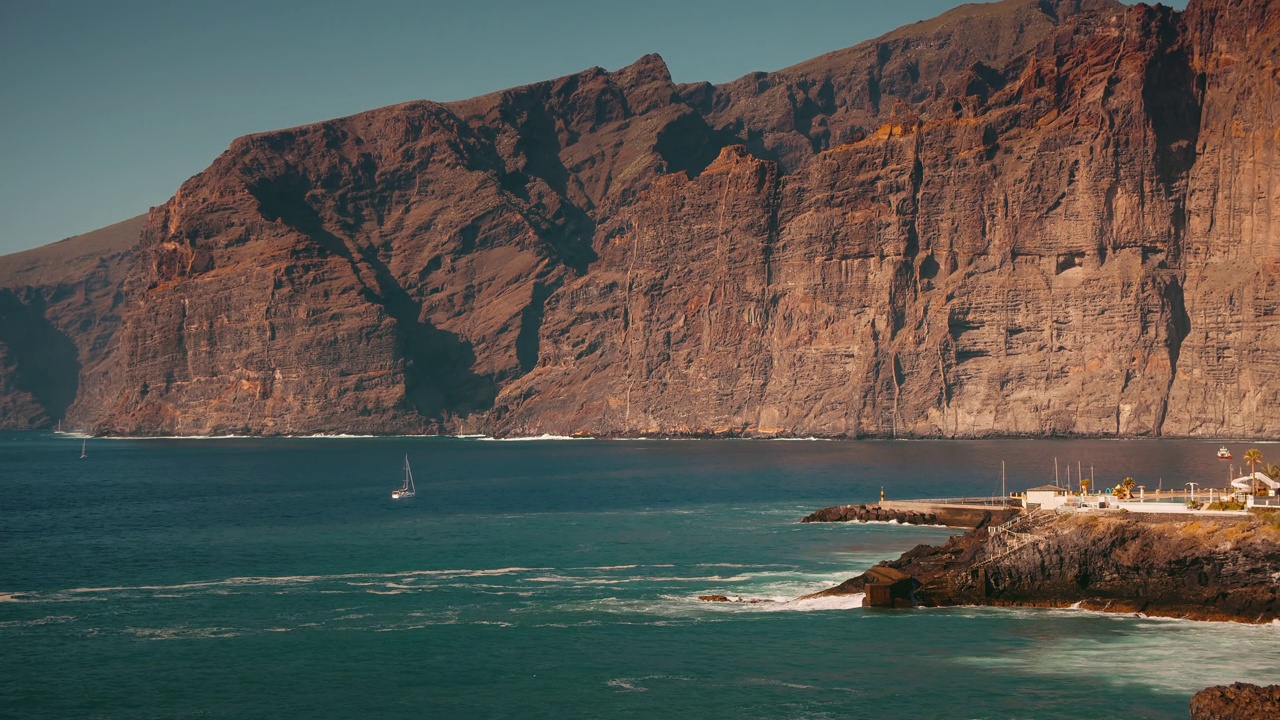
[(106, 107)]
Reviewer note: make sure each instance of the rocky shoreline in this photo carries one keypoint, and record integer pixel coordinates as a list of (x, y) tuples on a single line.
[(1238, 701), (1199, 569)]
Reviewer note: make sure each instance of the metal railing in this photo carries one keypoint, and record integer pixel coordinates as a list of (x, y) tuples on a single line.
[(1009, 540), (983, 501)]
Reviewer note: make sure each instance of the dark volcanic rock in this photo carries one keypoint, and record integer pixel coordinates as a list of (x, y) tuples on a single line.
[(1204, 569), (58, 309), (1023, 217), (1238, 701), (868, 513)]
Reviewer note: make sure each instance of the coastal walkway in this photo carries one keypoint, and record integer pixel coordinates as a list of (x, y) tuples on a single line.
[(966, 513)]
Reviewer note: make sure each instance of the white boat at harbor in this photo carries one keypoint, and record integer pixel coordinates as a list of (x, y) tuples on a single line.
[(407, 490)]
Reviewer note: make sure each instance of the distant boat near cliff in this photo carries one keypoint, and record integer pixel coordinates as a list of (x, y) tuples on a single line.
[(407, 490), (1224, 453)]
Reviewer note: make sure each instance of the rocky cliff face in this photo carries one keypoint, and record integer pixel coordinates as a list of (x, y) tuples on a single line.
[(58, 310), (1204, 569), (1017, 218)]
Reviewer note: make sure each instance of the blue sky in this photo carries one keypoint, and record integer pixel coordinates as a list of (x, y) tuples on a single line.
[(106, 107)]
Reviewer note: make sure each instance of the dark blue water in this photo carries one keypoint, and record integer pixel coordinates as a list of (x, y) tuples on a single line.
[(253, 578)]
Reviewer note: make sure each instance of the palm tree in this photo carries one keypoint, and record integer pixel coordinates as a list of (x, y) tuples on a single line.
[(1128, 484), (1253, 457), (1084, 485)]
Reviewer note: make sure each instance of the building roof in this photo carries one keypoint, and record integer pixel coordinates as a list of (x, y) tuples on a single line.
[(1047, 488), (884, 575)]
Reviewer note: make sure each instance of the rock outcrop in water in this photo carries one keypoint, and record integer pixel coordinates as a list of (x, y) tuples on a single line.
[(869, 513), (1202, 569), (1034, 217), (1238, 701)]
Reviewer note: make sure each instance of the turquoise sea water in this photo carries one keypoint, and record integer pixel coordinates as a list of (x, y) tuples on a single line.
[(558, 579)]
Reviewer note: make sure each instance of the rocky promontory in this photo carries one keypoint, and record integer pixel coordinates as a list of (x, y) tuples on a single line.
[(1203, 568)]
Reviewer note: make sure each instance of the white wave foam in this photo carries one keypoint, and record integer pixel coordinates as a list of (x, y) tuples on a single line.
[(782, 683), (625, 684), (221, 586), (543, 437), (831, 602), (739, 566), (634, 684), (183, 633), (46, 620), (1197, 655), (332, 436)]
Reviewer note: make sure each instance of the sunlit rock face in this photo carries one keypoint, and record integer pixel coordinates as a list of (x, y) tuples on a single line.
[(1028, 218)]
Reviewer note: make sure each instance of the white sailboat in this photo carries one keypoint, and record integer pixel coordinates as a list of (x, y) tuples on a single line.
[(84, 449), (407, 490)]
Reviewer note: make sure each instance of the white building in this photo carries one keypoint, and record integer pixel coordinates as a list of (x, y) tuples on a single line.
[(1048, 497)]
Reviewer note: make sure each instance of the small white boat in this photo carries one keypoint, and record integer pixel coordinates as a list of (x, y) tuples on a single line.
[(1224, 453), (407, 490)]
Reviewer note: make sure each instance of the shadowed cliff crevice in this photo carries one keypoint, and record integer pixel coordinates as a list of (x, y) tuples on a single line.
[(1172, 98), (568, 228), (689, 144), (1179, 327), (44, 362), (437, 364), (529, 339)]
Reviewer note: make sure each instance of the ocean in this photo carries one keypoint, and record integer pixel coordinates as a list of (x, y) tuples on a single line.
[(242, 578)]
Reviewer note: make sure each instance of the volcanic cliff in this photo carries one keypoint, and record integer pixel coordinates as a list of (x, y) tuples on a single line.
[(1030, 217)]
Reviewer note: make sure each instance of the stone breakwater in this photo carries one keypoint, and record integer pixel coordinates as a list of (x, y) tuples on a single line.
[(871, 513), (917, 512), (1199, 569)]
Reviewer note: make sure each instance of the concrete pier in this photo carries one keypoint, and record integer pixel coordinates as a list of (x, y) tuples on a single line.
[(956, 515)]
